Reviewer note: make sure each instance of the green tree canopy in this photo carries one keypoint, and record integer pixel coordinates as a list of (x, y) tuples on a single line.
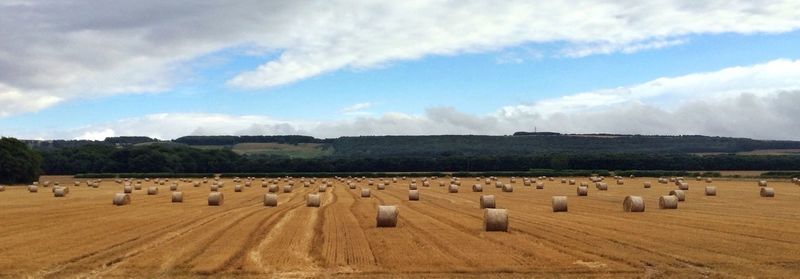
[(18, 163)]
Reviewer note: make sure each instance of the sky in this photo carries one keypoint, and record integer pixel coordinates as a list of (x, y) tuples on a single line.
[(74, 69)]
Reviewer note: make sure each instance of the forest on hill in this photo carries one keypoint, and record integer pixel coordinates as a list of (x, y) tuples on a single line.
[(447, 153)]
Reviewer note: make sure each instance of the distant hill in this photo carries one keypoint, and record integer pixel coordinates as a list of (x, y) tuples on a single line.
[(521, 143)]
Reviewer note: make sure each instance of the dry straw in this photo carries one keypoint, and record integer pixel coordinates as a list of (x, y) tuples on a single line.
[(177, 196), (559, 203), (453, 188), (287, 188), (487, 201), (683, 186), (602, 186), (508, 188), (495, 220), (762, 183), (215, 199), (633, 204), (477, 188), (583, 191), (668, 202), (33, 188), (214, 188), (121, 199), (767, 192), (365, 192), (413, 195), (647, 184), (60, 192), (237, 188), (387, 216), (312, 200), (153, 190), (127, 189), (539, 186), (270, 200), (680, 194), (412, 186), (711, 191)]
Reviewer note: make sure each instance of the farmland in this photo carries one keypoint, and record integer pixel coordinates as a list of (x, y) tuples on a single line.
[(734, 234)]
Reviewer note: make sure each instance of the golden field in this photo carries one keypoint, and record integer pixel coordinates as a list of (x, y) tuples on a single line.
[(734, 234)]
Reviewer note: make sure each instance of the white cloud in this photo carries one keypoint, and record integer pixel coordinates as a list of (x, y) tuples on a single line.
[(758, 101), (97, 134), (608, 48), (669, 92), (356, 107), (53, 52)]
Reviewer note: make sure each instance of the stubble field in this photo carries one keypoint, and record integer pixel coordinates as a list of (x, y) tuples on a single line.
[(734, 234)]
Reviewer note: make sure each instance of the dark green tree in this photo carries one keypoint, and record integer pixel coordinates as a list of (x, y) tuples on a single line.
[(18, 163)]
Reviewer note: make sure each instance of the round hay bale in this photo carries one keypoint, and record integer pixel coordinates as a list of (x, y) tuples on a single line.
[(584, 184), (215, 199), (33, 188), (453, 188), (680, 194), (668, 202), (412, 186), (322, 188), (602, 186), (127, 189), (153, 190), (365, 192), (312, 200), (270, 200), (273, 188), (767, 192), (237, 188), (559, 203), (487, 201), (214, 188), (76, 183), (563, 181), (633, 204), (173, 187), (477, 188), (711, 191), (287, 188), (683, 186), (381, 186), (351, 185), (177, 196), (647, 184), (121, 199), (508, 188), (762, 183), (526, 183), (572, 182), (2, 188), (498, 184), (413, 195), (59, 192), (387, 216), (620, 182), (583, 191), (495, 220), (539, 186), (709, 180), (137, 187)]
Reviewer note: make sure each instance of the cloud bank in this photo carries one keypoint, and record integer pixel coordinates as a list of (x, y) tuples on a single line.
[(759, 101), (55, 51)]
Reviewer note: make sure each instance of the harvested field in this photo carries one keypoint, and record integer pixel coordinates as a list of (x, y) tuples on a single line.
[(734, 234)]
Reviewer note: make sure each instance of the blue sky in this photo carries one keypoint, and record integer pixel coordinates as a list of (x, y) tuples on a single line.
[(492, 85)]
